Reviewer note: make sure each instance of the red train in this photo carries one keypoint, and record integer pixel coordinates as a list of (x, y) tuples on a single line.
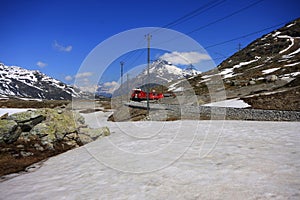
[(140, 95)]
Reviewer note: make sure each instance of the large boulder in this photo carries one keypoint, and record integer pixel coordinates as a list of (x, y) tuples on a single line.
[(27, 120), (24, 116), (85, 139), (57, 127), (50, 127), (87, 135), (95, 133), (9, 131)]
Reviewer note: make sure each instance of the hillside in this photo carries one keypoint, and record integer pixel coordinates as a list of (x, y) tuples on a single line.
[(265, 74), (20, 82)]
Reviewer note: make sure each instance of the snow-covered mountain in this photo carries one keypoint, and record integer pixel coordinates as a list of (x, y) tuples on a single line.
[(165, 71), (161, 72), (19, 82)]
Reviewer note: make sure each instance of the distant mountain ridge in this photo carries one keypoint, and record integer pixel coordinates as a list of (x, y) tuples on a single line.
[(19, 82)]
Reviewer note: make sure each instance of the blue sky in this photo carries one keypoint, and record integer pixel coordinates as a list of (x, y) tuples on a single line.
[(55, 36)]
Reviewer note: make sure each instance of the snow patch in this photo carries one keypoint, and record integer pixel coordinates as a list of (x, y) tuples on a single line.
[(295, 52), (276, 34), (173, 86), (179, 89), (228, 72), (293, 64), (291, 74), (289, 38), (290, 25), (268, 71), (11, 111), (232, 103)]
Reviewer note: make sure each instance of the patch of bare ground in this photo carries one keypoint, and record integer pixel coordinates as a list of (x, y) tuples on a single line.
[(19, 103), (18, 156), (285, 100)]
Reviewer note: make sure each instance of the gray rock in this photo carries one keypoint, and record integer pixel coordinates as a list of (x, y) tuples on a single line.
[(95, 133), (26, 154), (43, 130), (20, 146), (106, 131), (78, 118), (24, 116), (4, 116), (27, 120), (9, 131), (38, 147), (85, 139), (271, 78), (252, 82)]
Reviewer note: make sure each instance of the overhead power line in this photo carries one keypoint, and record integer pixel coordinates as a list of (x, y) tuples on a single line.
[(194, 13), (218, 20), (227, 16), (244, 36)]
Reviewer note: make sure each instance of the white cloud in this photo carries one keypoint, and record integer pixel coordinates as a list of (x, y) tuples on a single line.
[(41, 64), (60, 47), (88, 88), (83, 75), (111, 86), (68, 78), (185, 58)]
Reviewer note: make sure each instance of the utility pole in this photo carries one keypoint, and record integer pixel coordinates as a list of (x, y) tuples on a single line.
[(122, 64), (148, 37), (128, 91)]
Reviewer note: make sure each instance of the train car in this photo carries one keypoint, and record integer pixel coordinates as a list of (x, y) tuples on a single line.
[(140, 95)]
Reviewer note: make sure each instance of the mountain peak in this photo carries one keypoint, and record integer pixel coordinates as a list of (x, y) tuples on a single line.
[(19, 82)]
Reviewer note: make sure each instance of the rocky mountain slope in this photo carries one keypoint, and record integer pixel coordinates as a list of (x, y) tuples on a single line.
[(19, 82), (265, 74)]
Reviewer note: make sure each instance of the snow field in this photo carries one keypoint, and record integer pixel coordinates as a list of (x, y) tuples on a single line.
[(223, 160)]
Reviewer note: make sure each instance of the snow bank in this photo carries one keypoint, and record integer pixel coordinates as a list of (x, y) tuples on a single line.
[(13, 110), (232, 103)]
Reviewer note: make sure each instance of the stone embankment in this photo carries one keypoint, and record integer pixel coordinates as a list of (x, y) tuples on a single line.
[(219, 113)]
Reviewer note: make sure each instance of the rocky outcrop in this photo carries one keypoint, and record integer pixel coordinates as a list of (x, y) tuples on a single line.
[(9, 131), (86, 135), (49, 127)]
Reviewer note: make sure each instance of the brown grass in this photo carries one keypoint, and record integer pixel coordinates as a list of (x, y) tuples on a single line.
[(12, 162), (19, 103)]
